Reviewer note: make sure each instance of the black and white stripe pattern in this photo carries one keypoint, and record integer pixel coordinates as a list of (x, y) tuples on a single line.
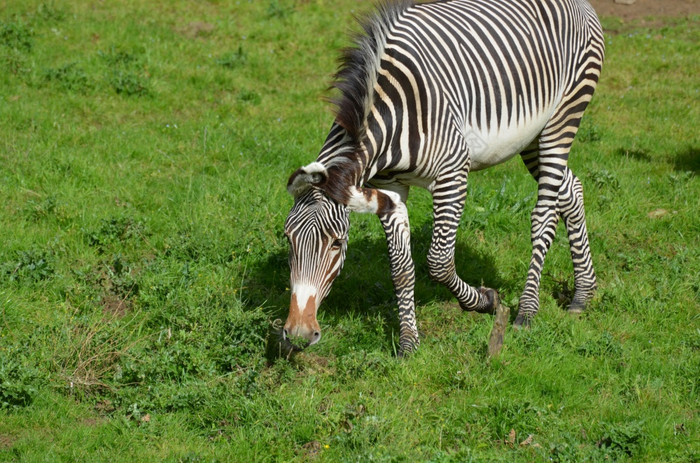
[(433, 91)]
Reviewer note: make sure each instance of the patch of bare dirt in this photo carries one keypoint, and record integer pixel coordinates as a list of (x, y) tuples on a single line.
[(196, 29), (114, 305), (646, 10), (311, 449), (92, 422), (6, 441)]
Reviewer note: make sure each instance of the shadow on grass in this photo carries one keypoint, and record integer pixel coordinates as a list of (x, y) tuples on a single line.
[(685, 161), (364, 287), (688, 160), (636, 154)]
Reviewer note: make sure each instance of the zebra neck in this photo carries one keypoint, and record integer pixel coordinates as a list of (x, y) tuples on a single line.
[(345, 159)]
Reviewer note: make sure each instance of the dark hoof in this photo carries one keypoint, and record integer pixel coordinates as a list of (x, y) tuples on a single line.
[(490, 301), (578, 304), (581, 299), (522, 321), (407, 350), (576, 308), (408, 344)]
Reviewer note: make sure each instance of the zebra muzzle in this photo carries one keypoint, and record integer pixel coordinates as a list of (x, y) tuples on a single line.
[(302, 328)]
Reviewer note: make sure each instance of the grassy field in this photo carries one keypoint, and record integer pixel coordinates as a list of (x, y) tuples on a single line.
[(144, 151)]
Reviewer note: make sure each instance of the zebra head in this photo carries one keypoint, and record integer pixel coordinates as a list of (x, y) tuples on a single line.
[(317, 230)]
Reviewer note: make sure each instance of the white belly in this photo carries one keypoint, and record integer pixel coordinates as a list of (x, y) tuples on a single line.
[(489, 148)]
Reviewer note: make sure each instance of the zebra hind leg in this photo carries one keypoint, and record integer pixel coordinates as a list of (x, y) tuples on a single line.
[(569, 206), (449, 195), (544, 225), (559, 195), (571, 209)]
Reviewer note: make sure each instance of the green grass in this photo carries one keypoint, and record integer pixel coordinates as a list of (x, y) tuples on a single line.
[(144, 151)]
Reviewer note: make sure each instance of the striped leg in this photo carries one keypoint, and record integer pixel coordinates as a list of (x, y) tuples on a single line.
[(398, 236), (449, 195), (572, 211), (570, 208), (544, 223), (559, 194)]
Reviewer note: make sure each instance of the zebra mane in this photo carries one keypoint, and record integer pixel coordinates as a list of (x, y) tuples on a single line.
[(359, 66)]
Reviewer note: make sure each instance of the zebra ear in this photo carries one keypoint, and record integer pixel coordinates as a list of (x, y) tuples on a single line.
[(305, 177)]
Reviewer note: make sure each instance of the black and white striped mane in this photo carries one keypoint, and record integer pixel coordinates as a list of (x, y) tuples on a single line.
[(359, 66)]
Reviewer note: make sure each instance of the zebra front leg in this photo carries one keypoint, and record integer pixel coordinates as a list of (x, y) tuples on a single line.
[(571, 209), (393, 215), (449, 195), (398, 237)]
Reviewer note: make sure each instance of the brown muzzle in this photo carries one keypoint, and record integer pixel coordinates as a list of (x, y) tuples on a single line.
[(301, 322)]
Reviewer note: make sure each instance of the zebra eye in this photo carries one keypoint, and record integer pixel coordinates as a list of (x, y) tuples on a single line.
[(337, 244)]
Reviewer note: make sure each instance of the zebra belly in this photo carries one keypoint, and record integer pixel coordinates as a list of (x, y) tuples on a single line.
[(486, 148), (490, 148)]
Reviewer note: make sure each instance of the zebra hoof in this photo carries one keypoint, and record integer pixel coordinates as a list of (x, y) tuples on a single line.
[(522, 321), (406, 349), (576, 307), (489, 301), (580, 301)]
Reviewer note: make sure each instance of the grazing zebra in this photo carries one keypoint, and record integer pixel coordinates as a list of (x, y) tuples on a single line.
[(430, 92)]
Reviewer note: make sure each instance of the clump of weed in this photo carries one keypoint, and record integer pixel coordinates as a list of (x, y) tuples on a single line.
[(70, 77), (45, 208), (249, 97), (89, 356), (232, 60), (357, 364), (122, 280), (603, 178), (276, 9), (506, 415), (16, 35), (603, 345), (568, 449), (16, 40), (14, 61), (111, 284), (243, 337), (634, 153), (125, 75), (37, 210), (196, 343), (118, 58), (360, 431), (588, 131), (129, 83), (49, 12), (29, 266), (622, 439), (115, 229), (118, 286), (17, 381)]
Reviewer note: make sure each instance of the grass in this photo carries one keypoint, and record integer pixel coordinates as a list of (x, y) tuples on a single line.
[(144, 149)]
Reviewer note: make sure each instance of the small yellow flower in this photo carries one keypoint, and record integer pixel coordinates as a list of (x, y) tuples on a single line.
[(326, 446)]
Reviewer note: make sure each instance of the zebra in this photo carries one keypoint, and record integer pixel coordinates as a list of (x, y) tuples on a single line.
[(428, 93)]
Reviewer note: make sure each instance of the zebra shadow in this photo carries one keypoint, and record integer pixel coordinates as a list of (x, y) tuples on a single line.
[(364, 288), (688, 160)]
